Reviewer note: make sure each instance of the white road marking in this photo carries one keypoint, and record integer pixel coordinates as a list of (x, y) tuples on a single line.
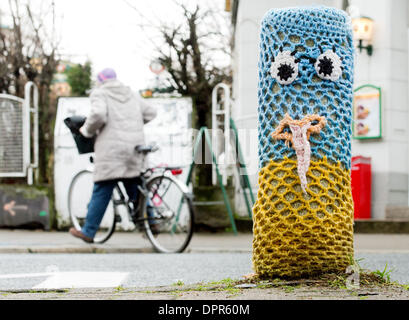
[(67, 280), (25, 275)]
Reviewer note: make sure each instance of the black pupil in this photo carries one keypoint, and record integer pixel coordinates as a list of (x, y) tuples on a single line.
[(325, 66), (285, 71)]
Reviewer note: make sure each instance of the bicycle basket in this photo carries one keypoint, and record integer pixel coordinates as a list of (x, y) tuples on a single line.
[(84, 145)]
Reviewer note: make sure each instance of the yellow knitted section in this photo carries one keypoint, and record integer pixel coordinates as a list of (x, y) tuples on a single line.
[(297, 234)]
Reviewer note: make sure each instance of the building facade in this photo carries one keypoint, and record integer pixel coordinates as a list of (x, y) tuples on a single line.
[(386, 68)]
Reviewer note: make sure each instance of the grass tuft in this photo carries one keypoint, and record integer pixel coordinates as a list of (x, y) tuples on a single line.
[(385, 274), (178, 283)]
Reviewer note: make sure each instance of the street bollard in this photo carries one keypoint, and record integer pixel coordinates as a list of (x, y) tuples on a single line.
[(303, 215)]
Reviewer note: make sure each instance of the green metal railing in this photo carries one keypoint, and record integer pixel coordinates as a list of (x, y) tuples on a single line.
[(240, 165), (242, 171), (204, 131)]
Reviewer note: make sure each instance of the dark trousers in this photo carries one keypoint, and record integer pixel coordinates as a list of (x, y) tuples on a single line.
[(101, 195)]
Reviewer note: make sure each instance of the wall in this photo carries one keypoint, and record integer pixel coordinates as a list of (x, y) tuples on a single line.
[(387, 68), (245, 77)]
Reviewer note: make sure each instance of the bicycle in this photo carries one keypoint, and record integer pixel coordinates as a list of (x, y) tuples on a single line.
[(164, 210)]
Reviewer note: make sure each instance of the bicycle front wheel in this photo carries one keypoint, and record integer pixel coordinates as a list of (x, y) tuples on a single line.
[(168, 211), (79, 196)]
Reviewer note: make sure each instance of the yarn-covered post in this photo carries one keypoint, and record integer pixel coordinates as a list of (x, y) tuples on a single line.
[(303, 215)]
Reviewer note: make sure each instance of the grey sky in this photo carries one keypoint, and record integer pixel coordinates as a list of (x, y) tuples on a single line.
[(107, 32)]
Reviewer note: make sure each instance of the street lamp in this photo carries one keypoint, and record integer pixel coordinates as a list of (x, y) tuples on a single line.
[(363, 31)]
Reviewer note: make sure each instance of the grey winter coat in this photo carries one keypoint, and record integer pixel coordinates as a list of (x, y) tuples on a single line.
[(117, 117)]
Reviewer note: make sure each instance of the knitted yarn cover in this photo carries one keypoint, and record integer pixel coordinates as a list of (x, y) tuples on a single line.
[(303, 215)]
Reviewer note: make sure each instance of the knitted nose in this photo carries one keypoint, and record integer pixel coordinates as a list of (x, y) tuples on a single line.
[(302, 149), (299, 137)]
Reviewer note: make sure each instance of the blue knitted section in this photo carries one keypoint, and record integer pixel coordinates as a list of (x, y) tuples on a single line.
[(307, 32)]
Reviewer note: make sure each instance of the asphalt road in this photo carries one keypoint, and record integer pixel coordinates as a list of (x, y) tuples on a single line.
[(48, 271)]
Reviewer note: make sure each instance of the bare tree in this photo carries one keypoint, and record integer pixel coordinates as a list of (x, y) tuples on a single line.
[(196, 52), (28, 52)]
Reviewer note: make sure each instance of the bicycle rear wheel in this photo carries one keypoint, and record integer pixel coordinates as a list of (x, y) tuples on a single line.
[(79, 196), (168, 211)]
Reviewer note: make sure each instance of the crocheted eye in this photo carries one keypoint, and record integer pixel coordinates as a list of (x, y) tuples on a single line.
[(284, 67), (329, 66)]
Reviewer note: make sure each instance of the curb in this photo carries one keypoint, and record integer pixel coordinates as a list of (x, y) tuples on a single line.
[(47, 250), (97, 250), (381, 226), (360, 226)]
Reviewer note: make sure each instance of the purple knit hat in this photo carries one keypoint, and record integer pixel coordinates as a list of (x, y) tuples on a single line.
[(106, 74)]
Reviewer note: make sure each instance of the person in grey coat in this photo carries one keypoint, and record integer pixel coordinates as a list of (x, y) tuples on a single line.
[(116, 118)]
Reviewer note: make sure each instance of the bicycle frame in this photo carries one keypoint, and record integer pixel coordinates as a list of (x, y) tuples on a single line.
[(136, 213)]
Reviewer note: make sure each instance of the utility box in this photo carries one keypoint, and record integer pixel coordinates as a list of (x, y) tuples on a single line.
[(170, 130), (67, 161), (361, 186)]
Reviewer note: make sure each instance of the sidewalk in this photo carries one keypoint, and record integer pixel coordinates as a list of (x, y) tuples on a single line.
[(320, 289), (24, 241)]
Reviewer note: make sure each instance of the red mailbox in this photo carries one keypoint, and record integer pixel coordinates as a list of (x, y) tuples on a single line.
[(361, 186)]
